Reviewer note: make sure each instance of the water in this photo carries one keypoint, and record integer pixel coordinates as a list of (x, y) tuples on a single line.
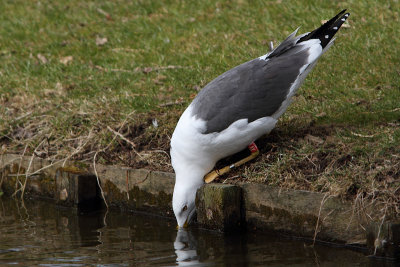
[(42, 234)]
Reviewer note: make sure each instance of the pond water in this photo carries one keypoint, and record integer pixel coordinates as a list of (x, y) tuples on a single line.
[(37, 233)]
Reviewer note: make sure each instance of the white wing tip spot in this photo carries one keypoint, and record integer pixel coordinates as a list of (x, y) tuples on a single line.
[(346, 15), (335, 28), (343, 19), (264, 57), (326, 36)]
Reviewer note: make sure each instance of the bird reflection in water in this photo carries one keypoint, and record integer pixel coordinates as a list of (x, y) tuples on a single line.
[(186, 249)]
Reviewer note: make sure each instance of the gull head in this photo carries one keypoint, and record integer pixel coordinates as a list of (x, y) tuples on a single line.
[(183, 203)]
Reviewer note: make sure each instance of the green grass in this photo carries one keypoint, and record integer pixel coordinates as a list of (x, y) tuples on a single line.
[(58, 109)]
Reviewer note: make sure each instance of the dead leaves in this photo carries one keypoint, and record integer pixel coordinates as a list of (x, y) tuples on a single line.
[(314, 139), (42, 59), (100, 41), (66, 60), (159, 80)]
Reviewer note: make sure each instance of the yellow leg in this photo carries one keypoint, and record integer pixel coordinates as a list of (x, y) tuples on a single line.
[(214, 174)]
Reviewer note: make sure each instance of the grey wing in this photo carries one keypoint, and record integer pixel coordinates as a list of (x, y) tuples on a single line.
[(250, 91)]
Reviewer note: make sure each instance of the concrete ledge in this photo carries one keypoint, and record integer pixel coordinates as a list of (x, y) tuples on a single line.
[(303, 212), (75, 188), (223, 207), (126, 188), (137, 189), (219, 207)]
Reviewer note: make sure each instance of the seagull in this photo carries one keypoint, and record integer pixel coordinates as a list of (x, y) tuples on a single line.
[(237, 108)]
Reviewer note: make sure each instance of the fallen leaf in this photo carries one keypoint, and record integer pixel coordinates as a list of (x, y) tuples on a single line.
[(346, 25), (101, 11), (59, 86), (66, 60), (64, 43), (147, 69), (314, 139), (42, 58), (331, 140), (101, 41), (197, 88), (390, 179), (159, 80)]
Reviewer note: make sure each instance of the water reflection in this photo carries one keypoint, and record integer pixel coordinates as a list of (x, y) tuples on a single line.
[(37, 233), (186, 248)]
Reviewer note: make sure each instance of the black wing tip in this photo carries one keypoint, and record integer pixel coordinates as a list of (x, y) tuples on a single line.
[(326, 32)]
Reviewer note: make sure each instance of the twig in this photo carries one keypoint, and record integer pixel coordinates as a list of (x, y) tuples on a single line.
[(379, 111), (379, 231), (19, 168), (105, 148), (311, 161), (45, 167), (125, 139), (114, 70), (362, 135), (150, 69), (159, 151), (26, 173), (139, 70), (171, 103), (98, 181), (79, 147), (22, 116), (121, 136), (324, 199), (145, 178), (354, 209), (117, 49), (230, 178), (101, 11)]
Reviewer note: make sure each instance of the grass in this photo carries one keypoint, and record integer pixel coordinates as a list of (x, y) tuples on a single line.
[(65, 90)]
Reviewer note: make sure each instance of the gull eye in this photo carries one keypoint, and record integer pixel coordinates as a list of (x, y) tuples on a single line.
[(184, 208)]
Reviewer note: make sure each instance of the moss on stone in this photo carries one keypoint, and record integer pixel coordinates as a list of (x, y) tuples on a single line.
[(141, 200), (72, 169), (113, 194), (219, 206)]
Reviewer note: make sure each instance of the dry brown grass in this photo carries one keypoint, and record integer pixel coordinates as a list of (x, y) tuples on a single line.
[(71, 76)]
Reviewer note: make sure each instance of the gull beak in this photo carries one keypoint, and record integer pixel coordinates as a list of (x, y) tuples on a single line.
[(185, 225)]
